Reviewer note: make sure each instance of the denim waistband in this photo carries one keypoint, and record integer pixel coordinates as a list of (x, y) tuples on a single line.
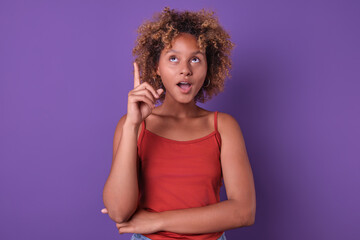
[(137, 236)]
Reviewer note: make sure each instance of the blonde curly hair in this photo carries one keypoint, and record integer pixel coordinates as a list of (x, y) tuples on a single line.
[(156, 34)]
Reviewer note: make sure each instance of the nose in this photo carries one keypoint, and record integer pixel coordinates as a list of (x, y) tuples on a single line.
[(186, 69)]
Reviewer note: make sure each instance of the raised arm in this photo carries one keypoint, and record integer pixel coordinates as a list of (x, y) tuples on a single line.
[(121, 190)]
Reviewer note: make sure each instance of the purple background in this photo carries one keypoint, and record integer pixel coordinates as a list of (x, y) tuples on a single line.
[(66, 68)]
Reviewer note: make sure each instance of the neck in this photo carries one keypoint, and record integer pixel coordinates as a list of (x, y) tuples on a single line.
[(171, 107)]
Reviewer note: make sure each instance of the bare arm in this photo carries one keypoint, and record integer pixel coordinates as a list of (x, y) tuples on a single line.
[(239, 209), (212, 218), (120, 194), (121, 190)]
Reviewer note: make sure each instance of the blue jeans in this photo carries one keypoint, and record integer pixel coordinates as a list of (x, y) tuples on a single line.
[(137, 236)]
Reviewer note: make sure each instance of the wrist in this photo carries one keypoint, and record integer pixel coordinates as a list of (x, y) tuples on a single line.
[(131, 126), (160, 221)]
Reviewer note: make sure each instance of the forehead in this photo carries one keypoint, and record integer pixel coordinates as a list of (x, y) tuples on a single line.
[(183, 43)]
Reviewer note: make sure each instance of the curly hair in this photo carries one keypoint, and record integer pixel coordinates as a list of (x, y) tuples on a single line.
[(155, 35)]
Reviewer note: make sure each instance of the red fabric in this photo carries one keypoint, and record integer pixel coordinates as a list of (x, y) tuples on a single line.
[(178, 175)]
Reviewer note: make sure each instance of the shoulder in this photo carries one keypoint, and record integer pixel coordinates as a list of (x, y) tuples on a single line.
[(119, 125), (118, 129), (118, 132), (229, 128), (226, 122)]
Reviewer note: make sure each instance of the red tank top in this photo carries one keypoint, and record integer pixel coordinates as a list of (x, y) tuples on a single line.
[(178, 175)]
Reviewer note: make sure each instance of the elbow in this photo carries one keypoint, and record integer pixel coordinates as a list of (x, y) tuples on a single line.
[(251, 217), (247, 218), (246, 221), (250, 220), (119, 213), (117, 217)]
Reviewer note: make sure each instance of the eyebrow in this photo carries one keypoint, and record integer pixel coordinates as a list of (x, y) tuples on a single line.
[(172, 50)]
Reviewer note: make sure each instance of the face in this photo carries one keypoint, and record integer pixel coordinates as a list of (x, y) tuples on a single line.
[(182, 68)]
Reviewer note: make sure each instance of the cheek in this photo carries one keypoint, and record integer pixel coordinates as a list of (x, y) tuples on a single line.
[(168, 75), (203, 72)]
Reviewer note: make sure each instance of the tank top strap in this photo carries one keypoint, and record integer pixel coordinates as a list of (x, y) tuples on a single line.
[(217, 133), (215, 121)]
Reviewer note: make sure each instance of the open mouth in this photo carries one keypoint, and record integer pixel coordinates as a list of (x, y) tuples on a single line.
[(184, 86)]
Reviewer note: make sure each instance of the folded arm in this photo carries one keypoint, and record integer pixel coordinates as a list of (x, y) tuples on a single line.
[(217, 217)]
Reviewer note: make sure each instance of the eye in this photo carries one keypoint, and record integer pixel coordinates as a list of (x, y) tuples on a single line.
[(172, 57), (198, 60)]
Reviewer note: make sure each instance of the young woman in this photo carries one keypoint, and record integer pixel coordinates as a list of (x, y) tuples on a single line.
[(170, 158)]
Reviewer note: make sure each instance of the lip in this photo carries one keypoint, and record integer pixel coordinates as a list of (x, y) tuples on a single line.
[(184, 80), (184, 90)]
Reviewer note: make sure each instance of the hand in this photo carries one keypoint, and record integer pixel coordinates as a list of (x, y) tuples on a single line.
[(143, 222), (141, 100)]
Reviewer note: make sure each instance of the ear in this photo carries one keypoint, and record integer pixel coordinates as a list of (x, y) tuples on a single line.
[(157, 71)]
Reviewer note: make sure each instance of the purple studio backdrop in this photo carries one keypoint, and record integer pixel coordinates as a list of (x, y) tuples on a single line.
[(65, 71)]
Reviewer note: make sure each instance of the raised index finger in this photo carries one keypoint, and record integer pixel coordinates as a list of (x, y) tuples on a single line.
[(136, 75)]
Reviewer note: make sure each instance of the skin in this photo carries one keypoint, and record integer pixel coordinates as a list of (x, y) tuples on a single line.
[(179, 118), (184, 61)]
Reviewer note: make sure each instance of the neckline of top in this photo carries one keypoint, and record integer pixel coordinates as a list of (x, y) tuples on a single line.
[(186, 141), (215, 131)]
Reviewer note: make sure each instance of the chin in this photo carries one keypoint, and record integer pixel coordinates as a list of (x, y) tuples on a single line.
[(185, 100)]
